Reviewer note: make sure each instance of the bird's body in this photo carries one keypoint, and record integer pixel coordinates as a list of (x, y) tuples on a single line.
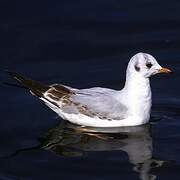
[(100, 107), (103, 107)]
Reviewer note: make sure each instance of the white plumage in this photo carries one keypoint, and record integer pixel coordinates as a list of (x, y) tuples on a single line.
[(103, 107)]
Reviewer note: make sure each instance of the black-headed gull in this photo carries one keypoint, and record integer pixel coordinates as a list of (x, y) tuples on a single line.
[(103, 107)]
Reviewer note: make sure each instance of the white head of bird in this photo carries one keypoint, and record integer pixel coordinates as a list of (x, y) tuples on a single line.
[(144, 65), (137, 90)]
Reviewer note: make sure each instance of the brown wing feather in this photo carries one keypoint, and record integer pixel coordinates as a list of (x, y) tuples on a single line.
[(39, 89), (58, 91)]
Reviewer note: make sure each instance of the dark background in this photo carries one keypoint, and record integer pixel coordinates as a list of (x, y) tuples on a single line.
[(84, 44)]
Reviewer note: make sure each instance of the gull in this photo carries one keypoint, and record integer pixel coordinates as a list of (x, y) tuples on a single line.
[(103, 107)]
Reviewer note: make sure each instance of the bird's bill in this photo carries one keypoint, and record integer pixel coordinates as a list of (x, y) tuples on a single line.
[(164, 70)]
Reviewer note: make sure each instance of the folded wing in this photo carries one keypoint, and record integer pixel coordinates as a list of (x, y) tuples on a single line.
[(93, 102)]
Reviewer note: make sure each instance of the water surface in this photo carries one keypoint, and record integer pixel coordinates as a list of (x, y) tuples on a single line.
[(85, 44)]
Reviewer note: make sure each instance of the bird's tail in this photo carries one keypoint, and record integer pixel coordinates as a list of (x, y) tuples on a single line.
[(35, 87)]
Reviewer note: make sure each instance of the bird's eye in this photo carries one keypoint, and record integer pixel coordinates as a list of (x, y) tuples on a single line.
[(149, 65)]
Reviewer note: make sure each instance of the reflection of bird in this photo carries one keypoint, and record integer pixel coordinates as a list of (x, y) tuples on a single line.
[(102, 107), (70, 140)]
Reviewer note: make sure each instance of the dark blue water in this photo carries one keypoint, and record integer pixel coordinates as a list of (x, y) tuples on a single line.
[(85, 44)]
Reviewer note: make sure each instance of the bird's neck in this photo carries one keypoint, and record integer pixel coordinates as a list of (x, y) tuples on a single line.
[(138, 96), (137, 84)]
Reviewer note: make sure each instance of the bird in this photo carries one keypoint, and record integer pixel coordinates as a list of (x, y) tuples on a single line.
[(102, 107)]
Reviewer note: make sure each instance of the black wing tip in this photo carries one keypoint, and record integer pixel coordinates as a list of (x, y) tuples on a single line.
[(15, 75), (11, 73), (35, 87)]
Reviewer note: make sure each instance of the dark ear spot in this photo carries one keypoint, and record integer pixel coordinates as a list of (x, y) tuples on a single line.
[(137, 68)]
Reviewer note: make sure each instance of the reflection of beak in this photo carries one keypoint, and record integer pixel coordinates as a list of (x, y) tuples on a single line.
[(164, 70)]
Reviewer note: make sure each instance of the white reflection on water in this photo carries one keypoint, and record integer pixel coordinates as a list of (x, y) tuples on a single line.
[(69, 140)]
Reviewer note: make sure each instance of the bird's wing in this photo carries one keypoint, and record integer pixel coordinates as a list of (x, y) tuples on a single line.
[(93, 102)]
